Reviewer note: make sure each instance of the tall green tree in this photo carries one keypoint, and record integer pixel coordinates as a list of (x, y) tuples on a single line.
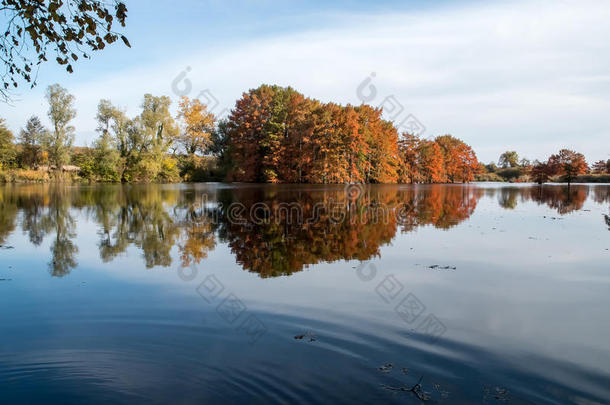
[(31, 138), (510, 158), (61, 111), (124, 134), (107, 160), (152, 135), (7, 147)]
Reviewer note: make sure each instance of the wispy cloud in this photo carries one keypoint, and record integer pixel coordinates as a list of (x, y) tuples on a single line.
[(531, 76)]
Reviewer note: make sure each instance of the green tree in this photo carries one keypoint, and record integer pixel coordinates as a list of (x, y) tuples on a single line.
[(510, 158), (125, 135), (31, 138), (107, 160), (159, 134), (7, 147), (63, 30), (61, 111)]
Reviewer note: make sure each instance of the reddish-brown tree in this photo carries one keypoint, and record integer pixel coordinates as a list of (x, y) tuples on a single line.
[(568, 163), (600, 167), (276, 134), (540, 172)]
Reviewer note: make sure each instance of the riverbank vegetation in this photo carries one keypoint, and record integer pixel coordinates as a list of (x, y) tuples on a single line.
[(565, 166), (273, 135)]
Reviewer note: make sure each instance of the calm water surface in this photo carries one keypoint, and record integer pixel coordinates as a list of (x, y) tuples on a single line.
[(305, 294)]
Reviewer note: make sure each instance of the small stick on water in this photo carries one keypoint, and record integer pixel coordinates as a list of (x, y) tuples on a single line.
[(416, 389)]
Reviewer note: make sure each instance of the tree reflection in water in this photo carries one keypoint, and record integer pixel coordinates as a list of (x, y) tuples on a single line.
[(298, 226)]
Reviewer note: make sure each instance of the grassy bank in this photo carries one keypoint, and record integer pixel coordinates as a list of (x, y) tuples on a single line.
[(36, 176), (590, 178)]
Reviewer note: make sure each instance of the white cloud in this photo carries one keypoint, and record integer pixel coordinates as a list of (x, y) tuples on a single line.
[(531, 76)]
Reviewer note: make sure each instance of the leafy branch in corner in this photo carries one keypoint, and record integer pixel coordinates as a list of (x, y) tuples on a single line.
[(38, 30)]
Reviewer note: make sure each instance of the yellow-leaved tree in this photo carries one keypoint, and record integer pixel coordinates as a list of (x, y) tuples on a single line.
[(197, 126)]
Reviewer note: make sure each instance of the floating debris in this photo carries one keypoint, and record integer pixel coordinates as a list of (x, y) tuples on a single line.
[(405, 370), (6, 247), (439, 267), (386, 368), (6, 279), (497, 393), (417, 390), (501, 394), (307, 335)]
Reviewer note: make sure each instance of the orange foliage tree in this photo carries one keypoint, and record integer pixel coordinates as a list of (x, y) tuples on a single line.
[(461, 163), (197, 126), (568, 163), (275, 134)]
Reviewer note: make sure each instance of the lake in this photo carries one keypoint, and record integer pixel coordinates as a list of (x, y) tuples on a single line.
[(207, 293)]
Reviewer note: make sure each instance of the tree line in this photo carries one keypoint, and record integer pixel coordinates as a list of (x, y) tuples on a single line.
[(273, 134), (565, 165), (276, 134)]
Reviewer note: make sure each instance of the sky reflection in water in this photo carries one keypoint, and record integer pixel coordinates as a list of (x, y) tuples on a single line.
[(139, 293)]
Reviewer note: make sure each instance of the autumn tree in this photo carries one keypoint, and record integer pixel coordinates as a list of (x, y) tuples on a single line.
[(31, 138), (431, 163), (197, 126), (7, 147), (408, 146), (381, 153), (540, 172), (61, 111), (461, 162), (600, 167), (63, 30), (276, 134), (568, 163), (296, 147), (510, 158)]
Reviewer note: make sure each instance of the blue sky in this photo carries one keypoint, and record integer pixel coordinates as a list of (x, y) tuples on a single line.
[(533, 76)]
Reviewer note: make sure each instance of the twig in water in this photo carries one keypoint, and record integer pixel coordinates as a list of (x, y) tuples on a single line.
[(417, 390)]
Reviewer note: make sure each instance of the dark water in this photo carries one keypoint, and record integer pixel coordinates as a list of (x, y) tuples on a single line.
[(309, 294)]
